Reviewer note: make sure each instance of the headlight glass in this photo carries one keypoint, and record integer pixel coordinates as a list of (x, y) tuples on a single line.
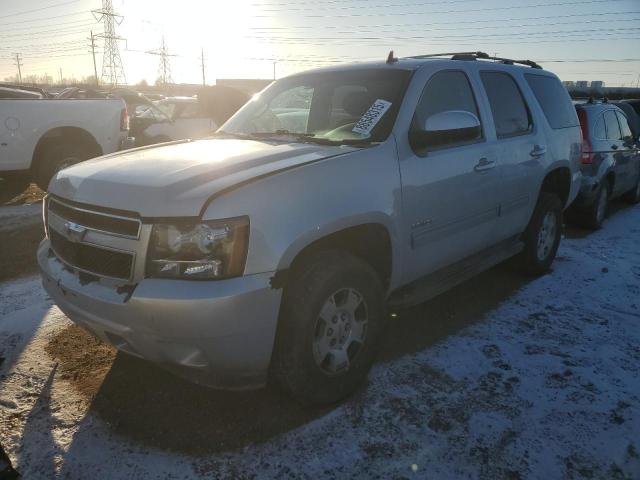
[(199, 251)]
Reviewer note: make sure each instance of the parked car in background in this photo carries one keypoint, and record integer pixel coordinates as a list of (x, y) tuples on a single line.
[(39, 137), (610, 162), (10, 92), (178, 118), (266, 251), (635, 104), (632, 116)]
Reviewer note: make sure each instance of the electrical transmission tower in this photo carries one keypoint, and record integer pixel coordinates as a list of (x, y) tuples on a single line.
[(112, 69), (164, 68)]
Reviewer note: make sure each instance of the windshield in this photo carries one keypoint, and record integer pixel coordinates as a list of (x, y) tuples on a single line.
[(336, 107)]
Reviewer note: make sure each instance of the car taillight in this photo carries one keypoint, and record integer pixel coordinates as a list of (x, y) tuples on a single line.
[(586, 155), (586, 152), (124, 120)]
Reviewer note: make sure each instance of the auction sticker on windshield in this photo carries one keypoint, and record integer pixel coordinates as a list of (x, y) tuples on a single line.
[(371, 117)]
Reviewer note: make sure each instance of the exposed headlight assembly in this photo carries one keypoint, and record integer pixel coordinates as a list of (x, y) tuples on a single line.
[(202, 251)]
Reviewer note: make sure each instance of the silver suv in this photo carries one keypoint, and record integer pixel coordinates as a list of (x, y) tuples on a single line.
[(273, 249)]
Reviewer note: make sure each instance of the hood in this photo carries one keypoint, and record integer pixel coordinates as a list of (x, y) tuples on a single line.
[(177, 179)]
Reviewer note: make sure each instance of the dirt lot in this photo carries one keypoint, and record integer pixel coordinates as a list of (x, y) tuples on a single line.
[(503, 377)]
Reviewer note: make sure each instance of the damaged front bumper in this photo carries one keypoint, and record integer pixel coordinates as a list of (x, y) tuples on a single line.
[(215, 333)]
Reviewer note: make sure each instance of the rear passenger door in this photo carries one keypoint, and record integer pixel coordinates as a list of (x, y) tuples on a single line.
[(629, 153), (621, 155), (520, 150), (450, 194)]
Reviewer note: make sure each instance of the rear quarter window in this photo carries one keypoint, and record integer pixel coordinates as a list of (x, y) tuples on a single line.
[(554, 100)]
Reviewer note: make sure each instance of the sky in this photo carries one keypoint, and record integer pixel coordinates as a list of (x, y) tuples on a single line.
[(243, 38)]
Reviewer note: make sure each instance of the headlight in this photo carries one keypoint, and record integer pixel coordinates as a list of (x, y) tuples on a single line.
[(203, 251)]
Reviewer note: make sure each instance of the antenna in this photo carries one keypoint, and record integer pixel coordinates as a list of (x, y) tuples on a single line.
[(391, 58), (112, 69)]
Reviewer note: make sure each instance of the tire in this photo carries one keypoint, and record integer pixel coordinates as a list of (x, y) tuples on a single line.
[(633, 195), (55, 159), (542, 236), (595, 215), (304, 362)]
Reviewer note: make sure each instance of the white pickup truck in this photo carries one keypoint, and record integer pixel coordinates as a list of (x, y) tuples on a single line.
[(39, 137)]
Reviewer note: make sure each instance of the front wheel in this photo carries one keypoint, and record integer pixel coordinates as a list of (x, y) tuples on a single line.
[(330, 325), (542, 236)]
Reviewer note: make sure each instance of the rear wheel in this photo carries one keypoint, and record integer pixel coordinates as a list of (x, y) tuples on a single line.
[(633, 195), (55, 159), (330, 326), (594, 217), (542, 236)]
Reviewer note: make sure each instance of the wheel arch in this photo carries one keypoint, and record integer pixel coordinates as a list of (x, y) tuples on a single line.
[(558, 181), (75, 135), (371, 241)]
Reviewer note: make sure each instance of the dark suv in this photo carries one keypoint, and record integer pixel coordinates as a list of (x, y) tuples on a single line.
[(610, 162)]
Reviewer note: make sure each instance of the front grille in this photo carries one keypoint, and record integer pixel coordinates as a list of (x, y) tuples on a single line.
[(92, 259), (94, 220)]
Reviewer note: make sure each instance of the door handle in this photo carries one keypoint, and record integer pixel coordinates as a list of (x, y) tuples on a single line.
[(484, 164), (538, 151)]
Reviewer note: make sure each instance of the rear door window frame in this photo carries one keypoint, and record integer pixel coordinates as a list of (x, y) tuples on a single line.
[(474, 94), (532, 123)]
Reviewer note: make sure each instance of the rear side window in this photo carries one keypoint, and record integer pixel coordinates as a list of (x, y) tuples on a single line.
[(599, 130), (611, 122), (554, 100), (624, 126), (449, 90), (510, 113)]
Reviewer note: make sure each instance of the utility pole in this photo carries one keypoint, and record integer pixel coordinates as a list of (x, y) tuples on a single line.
[(19, 65), (274, 71), (202, 63), (93, 52), (60, 75), (112, 69), (164, 68)]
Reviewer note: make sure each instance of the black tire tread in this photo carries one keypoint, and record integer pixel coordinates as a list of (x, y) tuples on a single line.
[(305, 280)]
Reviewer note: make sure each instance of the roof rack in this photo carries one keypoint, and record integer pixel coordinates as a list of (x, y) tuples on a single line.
[(477, 55)]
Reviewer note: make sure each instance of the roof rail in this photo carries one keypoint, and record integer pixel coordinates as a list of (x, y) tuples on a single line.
[(477, 55)]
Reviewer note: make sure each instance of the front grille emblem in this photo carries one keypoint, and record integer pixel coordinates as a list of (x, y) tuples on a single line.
[(75, 232)]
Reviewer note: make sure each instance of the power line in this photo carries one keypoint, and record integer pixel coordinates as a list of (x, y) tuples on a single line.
[(40, 9), (369, 6), (44, 18), (450, 37), (466, 10), (47, 33), (32, 27)]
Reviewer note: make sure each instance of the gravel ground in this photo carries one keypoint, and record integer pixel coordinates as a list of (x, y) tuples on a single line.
[(502, 377)]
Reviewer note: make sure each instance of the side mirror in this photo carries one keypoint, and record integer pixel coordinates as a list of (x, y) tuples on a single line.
[(446, 128)]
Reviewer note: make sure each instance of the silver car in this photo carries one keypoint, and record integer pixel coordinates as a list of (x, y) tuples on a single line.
[(272, 249)]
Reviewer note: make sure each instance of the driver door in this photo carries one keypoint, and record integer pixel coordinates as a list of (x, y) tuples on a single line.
[(450, 194)]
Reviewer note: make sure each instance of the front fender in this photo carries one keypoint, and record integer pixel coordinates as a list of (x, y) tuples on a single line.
[(290, 210)]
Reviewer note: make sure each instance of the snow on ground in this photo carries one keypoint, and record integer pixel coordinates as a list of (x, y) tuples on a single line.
[(544, 385)]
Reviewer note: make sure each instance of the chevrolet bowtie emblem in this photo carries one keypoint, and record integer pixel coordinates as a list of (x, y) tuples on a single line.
[(75, 232)]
